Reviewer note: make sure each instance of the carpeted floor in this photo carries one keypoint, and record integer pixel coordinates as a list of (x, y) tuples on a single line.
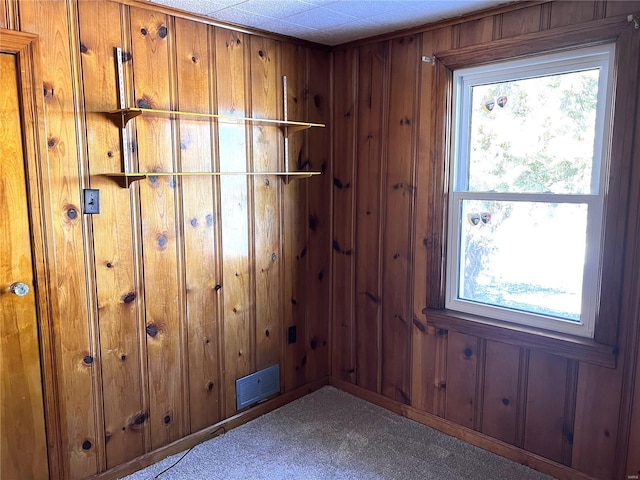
[(330, 434)]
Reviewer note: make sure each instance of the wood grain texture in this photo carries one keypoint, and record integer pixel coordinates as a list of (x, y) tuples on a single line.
[(160, 234), (633, 459), (522, 21), (343, 241), (295, 214), (594, 437), (475, 32), (501, 393), (571, 12), (462, 376), (428, 382), (629, 332), (546, 393), (239, 333), (373, 84), (200, 227), (621, 7), (399, 210), (24, 450), (117, 316), (73, 334), (319, 219), (4, 20), (267, 203)]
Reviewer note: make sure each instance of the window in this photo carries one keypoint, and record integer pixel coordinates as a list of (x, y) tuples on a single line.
[(526, 197)]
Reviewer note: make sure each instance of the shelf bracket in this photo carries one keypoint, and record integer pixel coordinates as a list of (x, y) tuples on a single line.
[(122, 116), (124, 181)]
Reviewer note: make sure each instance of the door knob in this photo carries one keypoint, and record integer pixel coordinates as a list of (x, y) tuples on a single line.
[(18, 288)]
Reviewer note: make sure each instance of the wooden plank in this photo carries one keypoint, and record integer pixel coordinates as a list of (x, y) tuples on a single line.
[(546, 393), (571, 12), (73, 335), (427, 376), (633, 458), (160, 236), (627, 449), (319, 220), (265, 85), (594, 437), (519, 22), (501, 396), (344, 128), (239, 332), (295, 215), (532, 43), (462, 375), (4, 17), (373, 82), (116, 292), (622, 7), (24, 450), (399, 201), (476, 31), (199, 227)]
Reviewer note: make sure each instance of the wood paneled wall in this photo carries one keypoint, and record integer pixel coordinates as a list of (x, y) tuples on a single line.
[(180, 285), (387, 263)]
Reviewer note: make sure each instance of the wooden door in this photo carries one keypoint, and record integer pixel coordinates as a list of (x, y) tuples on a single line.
[(23, 453)]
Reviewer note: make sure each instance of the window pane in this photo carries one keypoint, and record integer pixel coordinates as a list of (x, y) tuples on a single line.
[(534, 135), (525, 256)]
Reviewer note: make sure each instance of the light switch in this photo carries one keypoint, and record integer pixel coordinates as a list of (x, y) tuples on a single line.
[(91, 200)]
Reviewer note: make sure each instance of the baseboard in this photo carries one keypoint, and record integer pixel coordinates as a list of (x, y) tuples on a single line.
[(473, 437), (195, 438)]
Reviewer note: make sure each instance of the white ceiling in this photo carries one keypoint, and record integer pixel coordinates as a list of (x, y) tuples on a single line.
[(330, 22)]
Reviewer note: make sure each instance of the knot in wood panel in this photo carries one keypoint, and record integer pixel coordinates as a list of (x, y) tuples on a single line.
[(136, 422), (72, 212), (152, 330), (86, 445), (47, 91), (163, 32), (419, 325), (313, 222), (468, 352), (143, 102), (128, 297)]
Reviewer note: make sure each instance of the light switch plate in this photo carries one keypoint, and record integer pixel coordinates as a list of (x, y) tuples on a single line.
[(91, 200)]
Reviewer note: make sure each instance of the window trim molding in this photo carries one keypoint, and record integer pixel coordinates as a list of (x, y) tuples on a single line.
[(599, 57), (570, 346), (581, 35)]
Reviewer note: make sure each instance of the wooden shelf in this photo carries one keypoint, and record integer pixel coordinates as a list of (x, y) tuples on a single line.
[(122, 116), (126, 179)]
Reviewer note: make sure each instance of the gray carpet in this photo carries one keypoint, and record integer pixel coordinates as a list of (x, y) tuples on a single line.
[(330, 434)]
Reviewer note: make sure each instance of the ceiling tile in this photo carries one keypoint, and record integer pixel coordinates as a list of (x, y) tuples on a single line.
[(276, 9), (240, 17), (320, 18), (330, 22)]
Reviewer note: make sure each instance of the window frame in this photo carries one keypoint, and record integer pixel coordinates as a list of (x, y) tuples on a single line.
[(615, 313), (544, 64)]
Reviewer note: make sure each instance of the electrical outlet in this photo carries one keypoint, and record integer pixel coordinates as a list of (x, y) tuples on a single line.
[(292, 334), (91, 200)]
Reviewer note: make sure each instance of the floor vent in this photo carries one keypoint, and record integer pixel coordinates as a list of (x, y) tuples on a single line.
[(257, 386)]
